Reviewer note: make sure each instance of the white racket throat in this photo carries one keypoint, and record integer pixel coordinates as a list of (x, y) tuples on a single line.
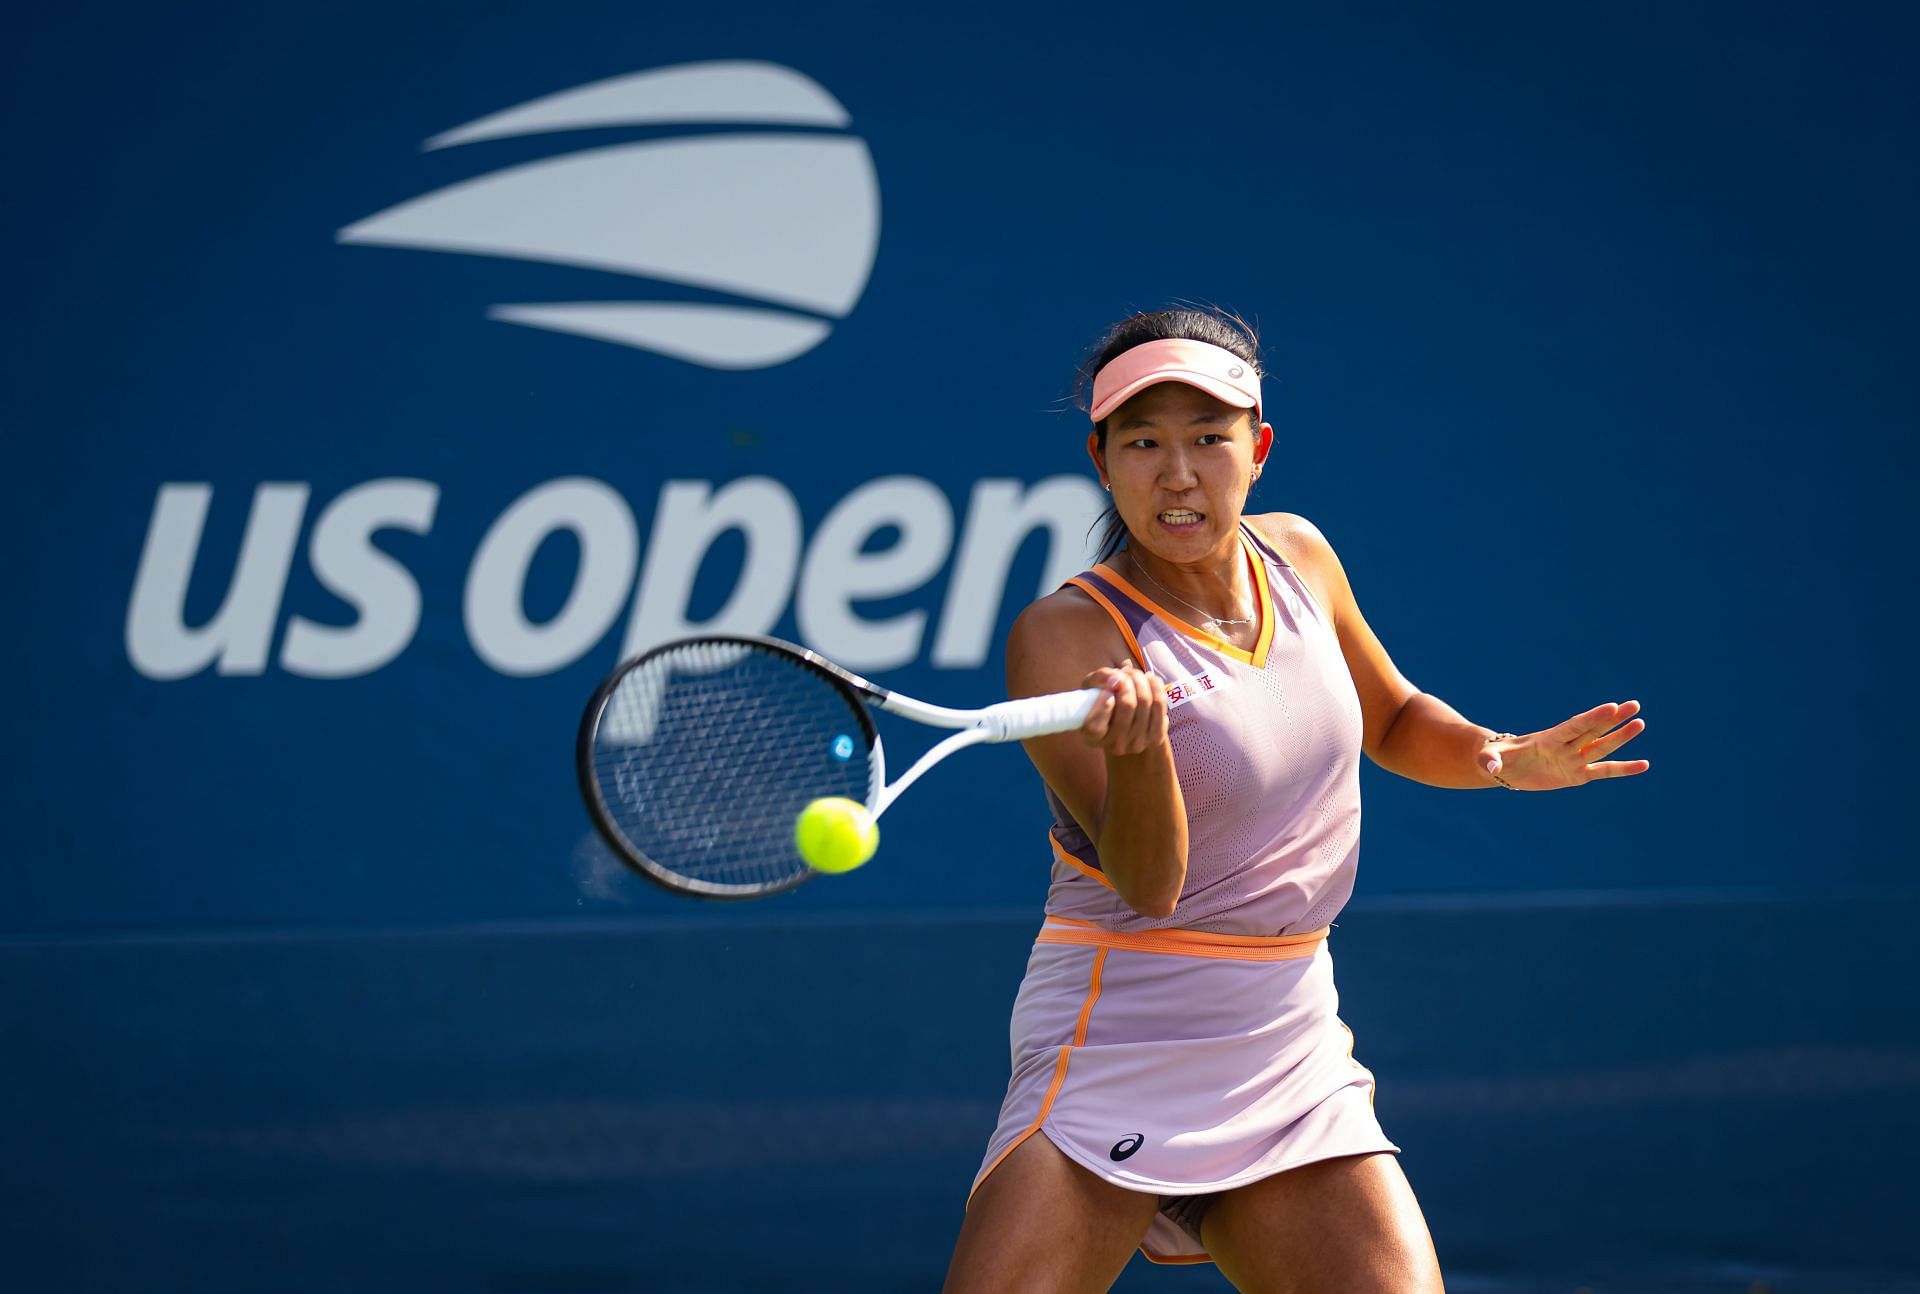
[(1036, 716)]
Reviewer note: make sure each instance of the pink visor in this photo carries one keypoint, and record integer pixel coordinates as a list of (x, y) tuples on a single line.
[(1220, 373)]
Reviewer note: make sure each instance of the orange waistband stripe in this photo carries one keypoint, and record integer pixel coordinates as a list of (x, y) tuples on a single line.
[(1184, 943)]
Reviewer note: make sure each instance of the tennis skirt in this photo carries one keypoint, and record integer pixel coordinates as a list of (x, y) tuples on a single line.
[(1182, 1063)]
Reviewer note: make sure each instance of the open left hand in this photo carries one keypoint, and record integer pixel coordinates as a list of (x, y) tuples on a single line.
[(1568, 754)]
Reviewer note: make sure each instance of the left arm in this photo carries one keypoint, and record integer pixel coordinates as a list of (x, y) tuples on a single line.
[(1419, 736)]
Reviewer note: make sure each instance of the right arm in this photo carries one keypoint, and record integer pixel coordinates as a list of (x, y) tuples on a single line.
[(1115, 774)]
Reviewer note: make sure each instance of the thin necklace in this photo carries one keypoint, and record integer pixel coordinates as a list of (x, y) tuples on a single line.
[(1215, 621)]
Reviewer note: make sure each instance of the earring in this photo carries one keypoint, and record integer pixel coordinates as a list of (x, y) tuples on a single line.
[(1105, 486)]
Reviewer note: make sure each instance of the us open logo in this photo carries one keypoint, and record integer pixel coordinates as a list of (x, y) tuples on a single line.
[(765, 212), (789, 222)]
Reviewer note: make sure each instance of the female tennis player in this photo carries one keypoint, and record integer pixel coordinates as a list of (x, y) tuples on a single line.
[(1182, 1082)]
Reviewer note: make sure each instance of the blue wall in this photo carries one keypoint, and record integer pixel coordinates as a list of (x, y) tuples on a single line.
[(1589, 339)]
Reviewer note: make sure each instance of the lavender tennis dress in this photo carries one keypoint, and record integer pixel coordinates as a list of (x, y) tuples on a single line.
[(1190, 1054)]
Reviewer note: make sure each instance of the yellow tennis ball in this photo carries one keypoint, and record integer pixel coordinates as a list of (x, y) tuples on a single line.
[(835, 834)]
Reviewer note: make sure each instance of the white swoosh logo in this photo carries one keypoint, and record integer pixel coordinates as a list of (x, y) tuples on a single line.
[(763, 93), (792, 220)]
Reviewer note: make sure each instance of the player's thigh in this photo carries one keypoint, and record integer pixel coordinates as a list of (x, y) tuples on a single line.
[(1041, 1224), (1341, 1226)]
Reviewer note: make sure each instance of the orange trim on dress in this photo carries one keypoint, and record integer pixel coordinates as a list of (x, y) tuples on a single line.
[(1126, 630), (1256, 658), (1060, 852), (1184, 943), (1373, 1084), (1086, 1008), (1306, 585), (1059, 1072), (1260, 581)]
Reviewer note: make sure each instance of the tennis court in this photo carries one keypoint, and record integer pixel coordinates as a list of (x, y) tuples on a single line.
[(586, 1107)]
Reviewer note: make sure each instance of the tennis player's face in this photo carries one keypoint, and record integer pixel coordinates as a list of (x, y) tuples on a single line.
[(1180, 463)]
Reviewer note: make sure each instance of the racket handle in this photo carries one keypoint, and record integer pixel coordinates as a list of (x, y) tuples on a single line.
[(1037, 716)]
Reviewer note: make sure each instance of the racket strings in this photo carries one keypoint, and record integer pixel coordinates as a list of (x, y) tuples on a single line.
[(705, 755)]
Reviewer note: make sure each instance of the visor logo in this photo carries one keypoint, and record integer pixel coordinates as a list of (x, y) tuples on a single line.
[(788, 220)]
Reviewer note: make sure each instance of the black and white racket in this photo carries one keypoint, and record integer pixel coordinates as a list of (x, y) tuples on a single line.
[(696, 758)]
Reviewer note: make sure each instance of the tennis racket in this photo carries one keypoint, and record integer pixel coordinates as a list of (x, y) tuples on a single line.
[(696, 758)]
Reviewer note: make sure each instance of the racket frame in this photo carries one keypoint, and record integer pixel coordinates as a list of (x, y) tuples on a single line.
[(1005, 721)]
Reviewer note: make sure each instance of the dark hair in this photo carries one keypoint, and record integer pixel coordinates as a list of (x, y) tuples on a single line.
[(1209, 324)]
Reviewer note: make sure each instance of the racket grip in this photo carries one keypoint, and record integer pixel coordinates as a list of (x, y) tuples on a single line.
[(1037, 716)]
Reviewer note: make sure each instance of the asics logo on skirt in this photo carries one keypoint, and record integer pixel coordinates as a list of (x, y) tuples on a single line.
[(1125, 1147)]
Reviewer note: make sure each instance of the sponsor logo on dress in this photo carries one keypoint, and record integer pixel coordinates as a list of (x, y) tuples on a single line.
[(1181, 691), (1124, 1148)]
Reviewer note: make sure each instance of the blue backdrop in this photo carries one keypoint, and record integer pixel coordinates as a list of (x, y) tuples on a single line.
[(378, 375)]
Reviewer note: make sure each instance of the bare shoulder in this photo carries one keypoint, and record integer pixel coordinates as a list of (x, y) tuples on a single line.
[(1302, 543), (1295, 536), (1058, 640)]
